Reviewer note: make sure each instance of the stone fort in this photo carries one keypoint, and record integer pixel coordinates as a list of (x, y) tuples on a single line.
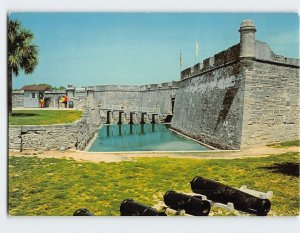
[(243, 96)]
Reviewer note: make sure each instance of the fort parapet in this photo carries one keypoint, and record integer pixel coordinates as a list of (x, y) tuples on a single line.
[(263, 53)]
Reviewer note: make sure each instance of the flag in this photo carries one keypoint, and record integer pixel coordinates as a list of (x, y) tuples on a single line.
[(197, 49), (180, 61)]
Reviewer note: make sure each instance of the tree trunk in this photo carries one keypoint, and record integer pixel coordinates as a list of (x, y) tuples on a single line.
[(9, 91)]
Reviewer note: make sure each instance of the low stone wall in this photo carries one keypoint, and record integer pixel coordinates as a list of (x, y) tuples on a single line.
[(56, 137), (14, 138)]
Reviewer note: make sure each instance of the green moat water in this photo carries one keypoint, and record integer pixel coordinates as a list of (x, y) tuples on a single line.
[(141, 137)]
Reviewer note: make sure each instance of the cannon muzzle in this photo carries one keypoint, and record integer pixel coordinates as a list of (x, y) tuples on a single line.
[(82, 212), (129, 207), (242, 201), (192, 205)]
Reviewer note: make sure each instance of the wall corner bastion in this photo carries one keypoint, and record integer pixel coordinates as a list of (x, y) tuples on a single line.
[(263, 88)]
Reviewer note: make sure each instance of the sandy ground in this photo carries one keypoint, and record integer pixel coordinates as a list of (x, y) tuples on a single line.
[(125, 156)]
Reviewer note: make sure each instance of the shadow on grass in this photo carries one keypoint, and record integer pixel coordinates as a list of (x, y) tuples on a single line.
[(23, 114), (289, 169)]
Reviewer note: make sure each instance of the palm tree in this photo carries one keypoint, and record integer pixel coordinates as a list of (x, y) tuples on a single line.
[(22, 54)]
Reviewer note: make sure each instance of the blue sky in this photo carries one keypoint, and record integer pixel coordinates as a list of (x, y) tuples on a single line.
[(140, 48)]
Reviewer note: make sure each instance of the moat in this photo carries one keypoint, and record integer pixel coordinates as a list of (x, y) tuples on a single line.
[(141, 137)]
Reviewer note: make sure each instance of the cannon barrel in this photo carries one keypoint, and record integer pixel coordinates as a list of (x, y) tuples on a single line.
[(82, 212), (129, 207), (192, 205), (242, 201)]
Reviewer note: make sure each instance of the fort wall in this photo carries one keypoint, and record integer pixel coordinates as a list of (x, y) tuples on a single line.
[(154, 98), (207, 106), (271, 103), (245, 95)]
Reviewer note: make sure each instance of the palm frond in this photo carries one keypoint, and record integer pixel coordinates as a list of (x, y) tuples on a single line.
[(22, 53)]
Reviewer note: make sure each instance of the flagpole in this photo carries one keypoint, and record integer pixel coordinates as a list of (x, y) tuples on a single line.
[(180, 64), (180, 61), (195, 54)]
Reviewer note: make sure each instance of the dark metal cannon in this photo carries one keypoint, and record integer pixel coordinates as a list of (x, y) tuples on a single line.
[(221, 193), (82, 212), (192, 205), (131, 208)]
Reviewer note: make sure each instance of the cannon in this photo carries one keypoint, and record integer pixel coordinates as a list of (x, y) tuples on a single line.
[(129, 207), (192, 205), (82, 212), (221, 193)]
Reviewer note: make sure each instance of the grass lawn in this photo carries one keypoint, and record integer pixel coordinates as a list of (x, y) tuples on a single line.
[(60, 186), (285, 144), (43, 117)]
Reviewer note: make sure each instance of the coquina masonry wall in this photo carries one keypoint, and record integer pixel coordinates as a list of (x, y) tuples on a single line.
[(158, 98), (148, 98), (271, 104), (117, 96), (244, 96), (56, 137), (208, 106)]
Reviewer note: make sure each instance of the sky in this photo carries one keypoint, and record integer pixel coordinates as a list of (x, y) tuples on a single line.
[(140, 48)]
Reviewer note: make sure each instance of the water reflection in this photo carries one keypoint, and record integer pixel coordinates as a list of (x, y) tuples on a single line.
[(131, 129), (142, 128), (107, 130), (120, 130), (141, 137)]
